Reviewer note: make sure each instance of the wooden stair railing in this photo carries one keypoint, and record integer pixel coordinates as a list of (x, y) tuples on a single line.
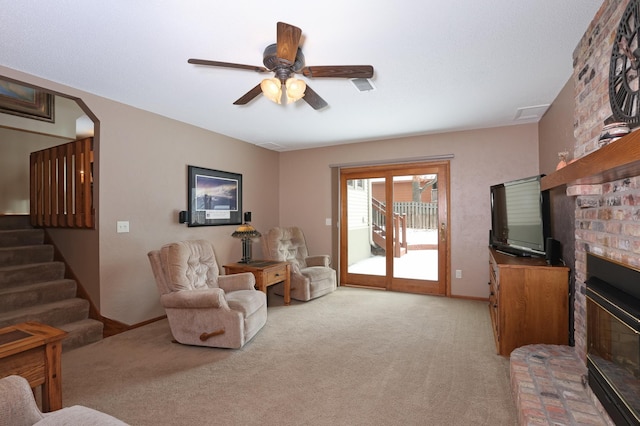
[(378, 228), (400, 231), (61, 186)]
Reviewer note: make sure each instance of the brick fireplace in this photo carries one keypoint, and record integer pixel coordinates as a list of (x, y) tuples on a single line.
[(605, 184), (607, 215), (613, 337), (603, 187)]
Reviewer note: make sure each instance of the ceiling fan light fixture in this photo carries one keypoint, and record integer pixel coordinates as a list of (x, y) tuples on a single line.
[(285, 58), (272, 89), (295, 89)]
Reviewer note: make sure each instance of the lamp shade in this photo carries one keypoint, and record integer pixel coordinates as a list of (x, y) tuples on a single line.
[(272, 89), (295, 89), (246, 231)]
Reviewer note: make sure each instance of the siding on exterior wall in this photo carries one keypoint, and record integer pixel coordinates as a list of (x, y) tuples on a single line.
[(402, 191)]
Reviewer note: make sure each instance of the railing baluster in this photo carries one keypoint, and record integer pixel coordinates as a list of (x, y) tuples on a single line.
[(419, 215), (86, 183), (46, 174), (69, 192), (61, 185), (77, 170), (33, 189)]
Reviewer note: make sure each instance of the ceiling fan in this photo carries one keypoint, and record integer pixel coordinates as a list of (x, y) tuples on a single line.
[(284, 59)]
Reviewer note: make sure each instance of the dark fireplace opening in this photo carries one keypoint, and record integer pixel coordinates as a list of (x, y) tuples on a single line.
[(613, 337)]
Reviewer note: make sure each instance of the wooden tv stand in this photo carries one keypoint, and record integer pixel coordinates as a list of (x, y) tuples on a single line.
[(528, 302)]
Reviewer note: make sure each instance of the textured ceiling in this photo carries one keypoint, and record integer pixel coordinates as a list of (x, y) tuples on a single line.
[(439, 66)]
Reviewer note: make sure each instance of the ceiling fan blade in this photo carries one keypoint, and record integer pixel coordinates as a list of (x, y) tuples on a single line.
[(249, 96), (287, 42), (313, 99), (227, 65), (344, 71)]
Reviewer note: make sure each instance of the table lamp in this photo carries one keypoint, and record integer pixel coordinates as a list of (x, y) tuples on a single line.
[(246, 233)]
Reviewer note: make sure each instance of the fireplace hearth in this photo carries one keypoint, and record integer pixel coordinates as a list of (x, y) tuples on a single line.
[(613, 337)]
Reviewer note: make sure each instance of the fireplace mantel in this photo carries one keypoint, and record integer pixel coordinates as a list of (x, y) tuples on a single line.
[(617, 160)]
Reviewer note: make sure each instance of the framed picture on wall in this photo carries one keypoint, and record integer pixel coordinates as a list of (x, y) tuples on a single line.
[(25, 101), (214, 196)]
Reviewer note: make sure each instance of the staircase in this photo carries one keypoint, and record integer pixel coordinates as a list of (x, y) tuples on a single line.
[(33, 287), (398, 230)]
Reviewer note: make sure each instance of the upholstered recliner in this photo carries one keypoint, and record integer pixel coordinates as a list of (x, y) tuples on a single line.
[(311, 276), (18, 408), (203, 307)]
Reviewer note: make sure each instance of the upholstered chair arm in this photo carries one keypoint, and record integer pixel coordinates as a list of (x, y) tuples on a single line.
[(203, 298), (235, 282), (17, 406), (318, 260)]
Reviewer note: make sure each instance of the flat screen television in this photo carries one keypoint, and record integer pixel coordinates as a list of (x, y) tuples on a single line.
[(520, 217)]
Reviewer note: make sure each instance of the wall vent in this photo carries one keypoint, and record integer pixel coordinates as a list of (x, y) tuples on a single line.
[(363, 84)]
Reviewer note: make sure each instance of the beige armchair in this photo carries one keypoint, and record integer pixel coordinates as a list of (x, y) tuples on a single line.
[(18, 408), (311, 276), (203, 307)]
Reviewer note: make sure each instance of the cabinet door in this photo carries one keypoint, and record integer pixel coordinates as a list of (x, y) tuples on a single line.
[(494, 273)]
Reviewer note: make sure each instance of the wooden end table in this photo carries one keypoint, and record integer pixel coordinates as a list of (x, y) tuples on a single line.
[(34, 351), (267, 272)]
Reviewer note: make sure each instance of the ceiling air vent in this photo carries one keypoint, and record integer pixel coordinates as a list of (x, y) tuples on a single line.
[(531, 112), (272, 146), (363, 84)]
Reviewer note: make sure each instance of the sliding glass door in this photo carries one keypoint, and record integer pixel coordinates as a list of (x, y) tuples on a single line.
[(395, 227)]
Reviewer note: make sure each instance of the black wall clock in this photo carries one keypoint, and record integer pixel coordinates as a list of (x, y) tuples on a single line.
[(624, 89)]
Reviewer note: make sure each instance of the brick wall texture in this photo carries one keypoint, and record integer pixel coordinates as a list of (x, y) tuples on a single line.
[(608, 215)]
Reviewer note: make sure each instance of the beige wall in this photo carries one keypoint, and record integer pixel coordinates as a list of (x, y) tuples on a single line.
[(143, 180), (556, 130), (141, 176), (14, 175), (17, 144), (482, 158), (63, 127), (556, 135)]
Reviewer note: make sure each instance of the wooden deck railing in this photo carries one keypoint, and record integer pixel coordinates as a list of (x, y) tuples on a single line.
[(379, 228), (419, 215), (61, 186)]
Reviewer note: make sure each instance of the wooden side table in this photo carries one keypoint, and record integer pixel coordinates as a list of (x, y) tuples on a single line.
[(267, 272), (34, 351)]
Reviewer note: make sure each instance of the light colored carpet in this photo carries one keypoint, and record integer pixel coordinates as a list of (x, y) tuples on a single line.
[(353, 357)]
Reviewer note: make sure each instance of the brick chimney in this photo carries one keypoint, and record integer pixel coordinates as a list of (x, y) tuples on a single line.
[(607, 216)]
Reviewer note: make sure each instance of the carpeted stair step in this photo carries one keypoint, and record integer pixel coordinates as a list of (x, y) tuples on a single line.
[(33, 287), (13, 276), (55, 314), (81, 333), (24, 255), (21, 237), (33, 294), (15, 222)]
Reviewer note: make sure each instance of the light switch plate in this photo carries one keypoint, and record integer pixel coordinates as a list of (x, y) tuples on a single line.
[(122, 226)]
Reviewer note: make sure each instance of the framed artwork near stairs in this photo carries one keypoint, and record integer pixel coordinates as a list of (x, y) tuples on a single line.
[(26, 101)]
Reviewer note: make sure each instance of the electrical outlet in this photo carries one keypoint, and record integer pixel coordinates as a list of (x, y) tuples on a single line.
[(458, 273), (122, 226)]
